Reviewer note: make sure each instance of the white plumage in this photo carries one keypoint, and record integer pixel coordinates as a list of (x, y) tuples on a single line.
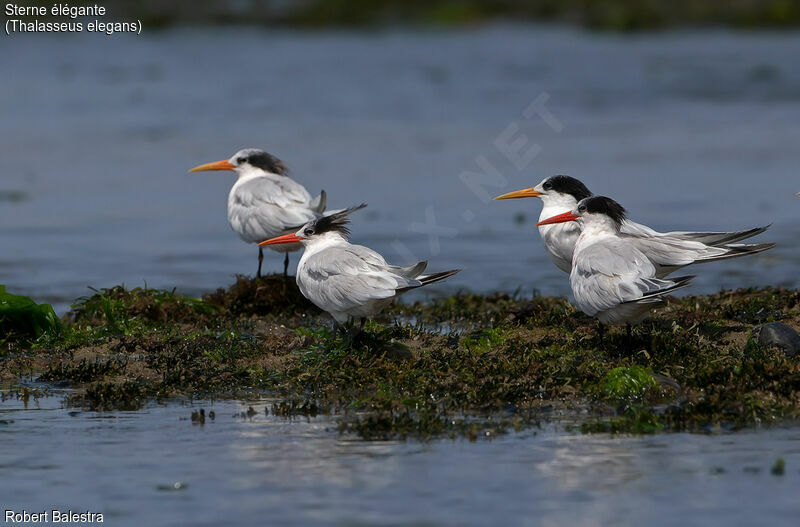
[(667, 251), (263, 205), (347, 280), (611, 278), (265, 202)]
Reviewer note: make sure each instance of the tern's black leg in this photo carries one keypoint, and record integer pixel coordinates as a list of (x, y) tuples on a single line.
[(260, 259), (601, 329), (286, 265), (628, 329), (356, 334)]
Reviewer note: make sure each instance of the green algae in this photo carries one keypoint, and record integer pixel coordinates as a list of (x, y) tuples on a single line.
[(779, 468), (627, 383), (21, 317), (469, 366)]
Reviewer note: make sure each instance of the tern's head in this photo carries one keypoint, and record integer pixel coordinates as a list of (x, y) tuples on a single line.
[(330, 226), (554, 191), (247, 161), (593, 210)]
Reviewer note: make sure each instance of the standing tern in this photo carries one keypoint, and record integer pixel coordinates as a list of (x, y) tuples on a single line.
[(612, 279), (667, 250), (346, 280), (265, 202)]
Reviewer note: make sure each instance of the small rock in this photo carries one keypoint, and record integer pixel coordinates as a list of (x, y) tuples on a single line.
[(397, 351), (199, 417), (780, 335)]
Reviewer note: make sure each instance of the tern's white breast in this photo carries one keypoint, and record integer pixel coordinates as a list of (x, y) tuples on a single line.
[(559, 239)]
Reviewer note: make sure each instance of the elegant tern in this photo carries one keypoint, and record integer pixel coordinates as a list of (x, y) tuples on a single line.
[(611, 277), (349, 281), (668, 251), (264, 201)]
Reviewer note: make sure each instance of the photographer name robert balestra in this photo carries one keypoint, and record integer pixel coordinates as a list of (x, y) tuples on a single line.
[(51, 516)]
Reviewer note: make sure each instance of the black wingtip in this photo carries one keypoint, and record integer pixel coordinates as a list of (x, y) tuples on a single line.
[(682, 280), (436, 277)]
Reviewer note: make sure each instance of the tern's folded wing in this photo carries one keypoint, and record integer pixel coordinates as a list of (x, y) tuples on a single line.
[(344, 278), (610, 273), (672, 251), (712, 238), (669, 251), (270, 207)]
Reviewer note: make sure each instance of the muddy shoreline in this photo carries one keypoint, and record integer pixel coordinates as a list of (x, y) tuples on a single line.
[(466, 366)]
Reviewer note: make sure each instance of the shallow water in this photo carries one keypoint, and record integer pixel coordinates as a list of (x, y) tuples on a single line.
[(269, 470), (686, 129)]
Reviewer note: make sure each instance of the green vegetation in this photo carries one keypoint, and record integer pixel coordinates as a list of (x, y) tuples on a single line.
[(21, 317), (627, 383), (468, 366)]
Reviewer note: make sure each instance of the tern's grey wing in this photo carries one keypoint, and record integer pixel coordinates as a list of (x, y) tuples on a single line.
[(718, 239), (671, 251), (637, 229), (711, 238), (262, 207), (609, 273), (282, 192), (343, 278)]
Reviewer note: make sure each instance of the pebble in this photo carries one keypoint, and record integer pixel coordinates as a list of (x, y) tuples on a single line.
[(780, 335)]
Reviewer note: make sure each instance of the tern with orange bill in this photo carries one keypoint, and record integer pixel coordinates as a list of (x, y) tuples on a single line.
[(264, 201), (611, 278), (349, 281), (667, 251)]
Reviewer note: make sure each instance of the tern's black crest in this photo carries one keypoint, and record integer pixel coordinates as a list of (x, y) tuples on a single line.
[(567, 185), (262, 160), (336, 222), (603, 205)]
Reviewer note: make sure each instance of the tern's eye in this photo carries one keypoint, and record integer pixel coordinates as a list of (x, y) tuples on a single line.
[(582, 208), (547, 185), (308, 232), (241, 161)]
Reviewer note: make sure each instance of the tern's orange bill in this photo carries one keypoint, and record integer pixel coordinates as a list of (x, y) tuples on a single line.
[(216, 165), (286, 238), (524, 193), (561, 218)]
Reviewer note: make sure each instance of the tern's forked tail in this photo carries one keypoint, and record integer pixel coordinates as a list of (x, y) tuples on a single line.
[(427, 279), (436, 277)]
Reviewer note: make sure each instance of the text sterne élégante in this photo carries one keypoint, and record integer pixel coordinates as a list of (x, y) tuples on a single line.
[(55, 10)]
